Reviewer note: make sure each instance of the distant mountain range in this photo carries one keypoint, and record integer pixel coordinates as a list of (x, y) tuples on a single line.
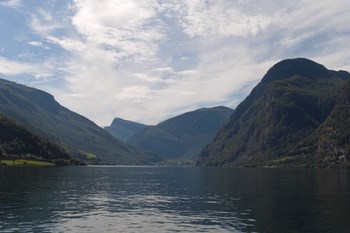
[(17, 142), (291, 118), (178, 138), (39, 112), (124, 129), (298, 115)]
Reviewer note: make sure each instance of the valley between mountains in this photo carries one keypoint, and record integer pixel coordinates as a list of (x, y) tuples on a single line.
[(297, 116)]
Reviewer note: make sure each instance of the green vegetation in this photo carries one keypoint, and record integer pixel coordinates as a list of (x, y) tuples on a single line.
[(176, 163), (20, 146), (25, 162), (182, 137), (90, 156), (330, 142), (41, 114), (272, 126)]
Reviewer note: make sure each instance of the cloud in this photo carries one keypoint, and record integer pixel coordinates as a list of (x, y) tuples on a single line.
[(131, 61), (152, 59), (129, 28), (11, 3), (71, 45), (8, 67), (38, 44), (218, 18), (44, 23)]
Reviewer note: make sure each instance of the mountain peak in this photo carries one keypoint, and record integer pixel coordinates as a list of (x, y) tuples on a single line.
[(294, 98), (43, 115), (183, 136), (216, 108), (124, 129), (118, 120), (296, 66)]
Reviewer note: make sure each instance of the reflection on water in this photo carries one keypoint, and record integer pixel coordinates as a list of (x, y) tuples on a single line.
[(149, 199)]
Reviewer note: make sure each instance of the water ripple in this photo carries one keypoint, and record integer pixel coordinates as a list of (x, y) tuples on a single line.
[(149, 213), (118, 200)]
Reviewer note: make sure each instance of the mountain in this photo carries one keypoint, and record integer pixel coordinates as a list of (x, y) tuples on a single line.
[(182, 137), (42, 114), (329, 144), (124, 129), (17, 142), (292, 100)]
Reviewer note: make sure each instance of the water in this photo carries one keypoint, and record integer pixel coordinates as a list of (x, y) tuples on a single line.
[(151, 199)]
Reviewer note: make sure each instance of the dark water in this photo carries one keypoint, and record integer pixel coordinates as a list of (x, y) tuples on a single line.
[(148, 199)]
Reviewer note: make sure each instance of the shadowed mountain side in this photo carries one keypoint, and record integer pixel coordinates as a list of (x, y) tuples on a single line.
[(182, 137), (39, 112), (329, 144), (124, 129), (17, 142), (291, 101)]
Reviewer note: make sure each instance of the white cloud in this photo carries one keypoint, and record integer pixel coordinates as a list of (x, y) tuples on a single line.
[(217, 18), (35, 43), (38, 44), (44, 23), (148, 60), (11, 3), (234, 43), (130, 28), (8, 67), (71, 45)]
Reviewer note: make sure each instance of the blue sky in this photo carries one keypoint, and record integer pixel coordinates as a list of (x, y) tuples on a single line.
[(152, 59)]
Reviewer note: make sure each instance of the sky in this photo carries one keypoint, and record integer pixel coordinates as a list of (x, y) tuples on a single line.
[(150, 60)]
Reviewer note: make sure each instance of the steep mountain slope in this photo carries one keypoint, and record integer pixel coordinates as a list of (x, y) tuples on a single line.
[(183, 136), (39, 112), (17, 142), (124, 129), (329, 144), (291, 101)]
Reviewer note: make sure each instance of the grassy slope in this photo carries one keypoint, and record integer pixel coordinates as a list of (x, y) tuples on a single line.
[(26, 162)]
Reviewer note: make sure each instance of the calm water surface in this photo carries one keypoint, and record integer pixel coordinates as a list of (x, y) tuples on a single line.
[(152, 199)]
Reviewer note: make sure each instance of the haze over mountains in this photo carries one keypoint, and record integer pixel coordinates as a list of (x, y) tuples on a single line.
[(39, 112), (179, 138), (298, 115), (124, 129), (291, 107)]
